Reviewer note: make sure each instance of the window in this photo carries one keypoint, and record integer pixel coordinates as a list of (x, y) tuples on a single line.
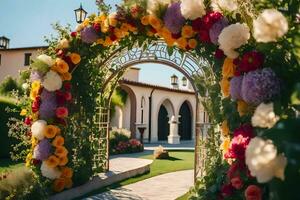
[(142, 109), (0, 59), (27, 59)]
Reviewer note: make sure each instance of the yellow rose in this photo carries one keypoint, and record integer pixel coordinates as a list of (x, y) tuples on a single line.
[(100, 41), (28, 159), (60, 66), (33, 94), (225, 145), (112, 20), (243, 108), (36, 85), (75, 58), (187, 31), (192, 43), (225, 128), (86, 22), (23, 112), (228, 69), (225, 86)]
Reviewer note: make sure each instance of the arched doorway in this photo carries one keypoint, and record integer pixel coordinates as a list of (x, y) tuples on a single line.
[(163, 124), (185, 122)]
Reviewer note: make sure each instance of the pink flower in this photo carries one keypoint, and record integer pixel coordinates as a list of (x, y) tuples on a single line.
[(68, 96), (61, 112), (253, 192), (27, 121), (246, 130), (237, 182)]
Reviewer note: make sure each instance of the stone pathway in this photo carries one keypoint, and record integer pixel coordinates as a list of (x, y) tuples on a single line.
[(163, 187)]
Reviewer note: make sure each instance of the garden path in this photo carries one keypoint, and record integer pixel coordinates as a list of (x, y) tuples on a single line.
[(163, 187)]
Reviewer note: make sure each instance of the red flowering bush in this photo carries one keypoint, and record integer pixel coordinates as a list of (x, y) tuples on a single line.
[(121, 143)]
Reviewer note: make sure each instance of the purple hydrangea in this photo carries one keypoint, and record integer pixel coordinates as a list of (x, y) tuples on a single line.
[(42, 150), (89, 35), (259, 86), (48, 104), (173, 18), (36, 76), (216, 30), (235, 87)]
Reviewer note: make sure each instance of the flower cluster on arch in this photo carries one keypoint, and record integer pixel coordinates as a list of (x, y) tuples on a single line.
[(188, 25)]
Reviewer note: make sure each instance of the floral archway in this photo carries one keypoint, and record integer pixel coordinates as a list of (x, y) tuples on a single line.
[(251, 86)]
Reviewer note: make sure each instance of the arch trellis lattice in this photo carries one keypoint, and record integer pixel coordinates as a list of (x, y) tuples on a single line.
[(157, 52)]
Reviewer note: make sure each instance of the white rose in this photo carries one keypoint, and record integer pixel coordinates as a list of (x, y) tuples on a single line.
[(25, 86), (264, 116), (46, 59), (226, 5), (52, 81), (63, 44), (233, 37), (38, 129), (48, 172), (155, 5), (263, 161), (269, 26), (192, 9)]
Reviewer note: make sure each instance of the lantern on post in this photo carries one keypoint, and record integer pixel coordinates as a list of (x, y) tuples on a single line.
[(184, 81), (4, 42), (80, 14)]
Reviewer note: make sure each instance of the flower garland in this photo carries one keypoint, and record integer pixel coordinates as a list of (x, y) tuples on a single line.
[(188, 25)]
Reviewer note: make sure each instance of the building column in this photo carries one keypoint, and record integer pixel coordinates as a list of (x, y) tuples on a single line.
[(173, 137)]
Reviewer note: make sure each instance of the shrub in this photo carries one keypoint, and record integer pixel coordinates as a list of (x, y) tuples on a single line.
[(8, 85), (120, 142), (5, 141)]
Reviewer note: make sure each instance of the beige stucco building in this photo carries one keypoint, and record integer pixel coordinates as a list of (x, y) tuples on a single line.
[(12, 60)]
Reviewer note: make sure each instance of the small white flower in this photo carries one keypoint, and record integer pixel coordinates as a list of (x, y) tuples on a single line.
[(63, 44), (269, 26), (224, 5), (233, 37), (48, 172), (46, 59), (38, 129), (25, 86), (52, 81), (264, 116), (263, 161), (192, 9), (153, 6)]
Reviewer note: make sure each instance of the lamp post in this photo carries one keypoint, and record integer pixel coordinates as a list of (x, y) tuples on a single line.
[(4, 42), (174, 81), (184, 81), (80, 14)]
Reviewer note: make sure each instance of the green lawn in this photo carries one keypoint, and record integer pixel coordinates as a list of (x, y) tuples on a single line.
[(179, 160), (7, 164)]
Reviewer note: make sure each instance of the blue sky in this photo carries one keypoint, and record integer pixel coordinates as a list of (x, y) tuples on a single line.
[(26, 22)]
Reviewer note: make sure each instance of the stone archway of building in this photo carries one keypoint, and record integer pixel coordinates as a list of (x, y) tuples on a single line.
[(185, 121)]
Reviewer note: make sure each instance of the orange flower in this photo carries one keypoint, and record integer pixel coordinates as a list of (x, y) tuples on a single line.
[(228, 68), (50, 131), (61, 112), (145, 20), (33, 94), (225, 85), (107, 42), (68, 183), (58, 141), (61, 66), (100, 41), (52, 161), (192, 43), (63, 161), (243, 108), (182, 43), (66, 76), (61, 151), (75, 58), (225, 128), (170, 42), (155, 22), (66, 172), (112, 20), (59, 185), (187, 31)]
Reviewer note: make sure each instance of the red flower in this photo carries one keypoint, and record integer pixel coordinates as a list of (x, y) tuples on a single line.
[(210, 18), (235, 169), (60, 53), (68, 96), (67, 86), (36, 162), (60, 121), (73, 34), (36, 104), (246, 130), (237, 182), (197, 24), (113, 37), (27, 121), (250, 61), (60, 98), (204, 36), (97, 27), (253, 192), (219, 54), (176, 35), (68, 60), (61, 112), (227, 190)]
